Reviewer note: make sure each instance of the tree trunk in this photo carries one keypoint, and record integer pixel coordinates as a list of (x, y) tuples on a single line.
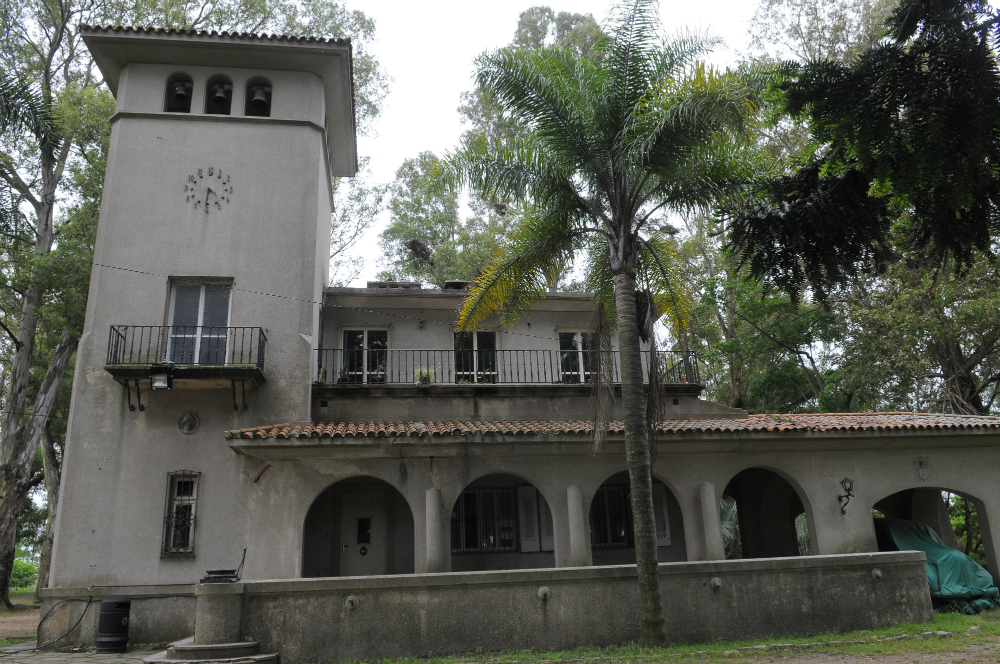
[(638, 458), (968, 525), (53, 478), (19, 446)]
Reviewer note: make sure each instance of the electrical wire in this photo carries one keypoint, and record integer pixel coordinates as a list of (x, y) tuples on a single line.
[(325, 304), (89, 601)]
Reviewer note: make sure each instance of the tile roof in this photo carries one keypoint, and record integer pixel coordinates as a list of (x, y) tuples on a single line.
[(150, 30), (896, 421)]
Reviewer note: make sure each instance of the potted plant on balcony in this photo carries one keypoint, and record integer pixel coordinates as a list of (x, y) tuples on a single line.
[(423, 376)]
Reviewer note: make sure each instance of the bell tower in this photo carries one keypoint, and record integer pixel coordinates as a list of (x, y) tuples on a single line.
[(203, 312)]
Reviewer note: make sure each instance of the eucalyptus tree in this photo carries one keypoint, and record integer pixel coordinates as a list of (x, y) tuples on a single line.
[(605, 146), (43, 43)]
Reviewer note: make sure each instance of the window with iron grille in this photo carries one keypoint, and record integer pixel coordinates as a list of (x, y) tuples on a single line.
[(178, 523), (484, 521), (610, 525)]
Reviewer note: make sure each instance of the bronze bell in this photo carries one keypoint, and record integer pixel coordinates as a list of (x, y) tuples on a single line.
[(259, 100), (180, 92), (220, 95)]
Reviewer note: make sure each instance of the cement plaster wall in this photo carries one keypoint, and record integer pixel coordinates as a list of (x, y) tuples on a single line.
[(310, 620), (112, 503), (881, 464)]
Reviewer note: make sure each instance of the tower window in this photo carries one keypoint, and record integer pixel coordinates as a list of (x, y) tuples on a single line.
[(219, 96), (178, 523), (258, 98), (179, 88)]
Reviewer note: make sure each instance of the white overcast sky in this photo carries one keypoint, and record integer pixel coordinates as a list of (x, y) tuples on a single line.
[(428, 48)]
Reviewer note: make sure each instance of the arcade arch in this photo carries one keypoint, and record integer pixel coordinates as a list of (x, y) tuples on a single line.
[(940, 509), (770, 519), (611, 523), (360, 526), (498, 522)]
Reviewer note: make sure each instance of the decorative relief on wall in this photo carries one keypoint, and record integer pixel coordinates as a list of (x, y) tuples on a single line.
[(208, 189), (188, 423), (923, 469)]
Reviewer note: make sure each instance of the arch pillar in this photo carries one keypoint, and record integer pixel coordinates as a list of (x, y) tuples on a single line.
[(989, 528), (712, 546), (438, 552), (579, 541)]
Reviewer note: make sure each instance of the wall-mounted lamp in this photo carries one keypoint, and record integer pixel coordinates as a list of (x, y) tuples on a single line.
[(848, 485), (161, 377)]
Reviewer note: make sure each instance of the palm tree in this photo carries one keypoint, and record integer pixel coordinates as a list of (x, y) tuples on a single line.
[(605, 146)]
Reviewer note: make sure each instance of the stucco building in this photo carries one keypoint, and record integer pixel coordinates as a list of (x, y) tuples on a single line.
[(227, 399)]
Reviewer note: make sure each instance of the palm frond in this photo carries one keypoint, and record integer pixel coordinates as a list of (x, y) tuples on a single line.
[(662, 272), (22, 107), (538, 250), (545, 90)]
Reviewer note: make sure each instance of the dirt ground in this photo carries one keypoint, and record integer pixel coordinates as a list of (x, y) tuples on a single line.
[(21, 623)]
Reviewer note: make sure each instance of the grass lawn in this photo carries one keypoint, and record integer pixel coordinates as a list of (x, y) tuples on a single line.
[(730, 651)]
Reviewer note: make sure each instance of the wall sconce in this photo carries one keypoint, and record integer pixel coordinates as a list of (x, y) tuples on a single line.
[(161, 377), (848, 485)]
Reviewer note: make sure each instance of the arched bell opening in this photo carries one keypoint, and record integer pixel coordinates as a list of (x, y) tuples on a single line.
[(257, 102), (763, 516), (178, 94), (501, 522), (612, 526), (360, 526), (219, 95)]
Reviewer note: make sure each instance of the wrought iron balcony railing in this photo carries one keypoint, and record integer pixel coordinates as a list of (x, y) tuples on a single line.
[(186, 345), (380, 366)]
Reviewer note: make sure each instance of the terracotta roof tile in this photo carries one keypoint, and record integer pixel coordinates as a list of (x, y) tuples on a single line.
[(896, 421), (150, 30)]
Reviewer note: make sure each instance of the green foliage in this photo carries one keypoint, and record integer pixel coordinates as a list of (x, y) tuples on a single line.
[(922, 337), (25, 574), (424, 207), (907, 135), (965, 523)]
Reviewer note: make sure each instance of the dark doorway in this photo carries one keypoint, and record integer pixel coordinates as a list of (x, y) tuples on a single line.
[(358, 527), (611, 524), (764, 513), (501, 522)]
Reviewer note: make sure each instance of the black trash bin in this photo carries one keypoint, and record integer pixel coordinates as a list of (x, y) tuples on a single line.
[(112, 625)]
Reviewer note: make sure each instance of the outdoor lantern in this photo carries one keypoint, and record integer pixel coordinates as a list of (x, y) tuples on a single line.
[(848, 485), (161, 377)]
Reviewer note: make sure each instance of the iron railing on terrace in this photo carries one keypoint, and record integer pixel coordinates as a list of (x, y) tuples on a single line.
[(381, 366), (186, 345)]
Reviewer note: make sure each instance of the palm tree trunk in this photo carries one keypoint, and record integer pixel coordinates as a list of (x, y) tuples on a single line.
[(638, 458)]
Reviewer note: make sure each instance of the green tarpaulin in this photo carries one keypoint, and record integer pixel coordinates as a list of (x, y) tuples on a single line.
[(954, 578)]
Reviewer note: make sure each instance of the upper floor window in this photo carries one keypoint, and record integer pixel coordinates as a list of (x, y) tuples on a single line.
[(575, 350), (475, 357), (178, 523), (199, 320), (219, 95), (258, 98), (179, 88), (365, 356)]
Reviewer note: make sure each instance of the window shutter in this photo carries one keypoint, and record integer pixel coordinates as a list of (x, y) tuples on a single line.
[(527, 508), (660, 513), (548, 530)]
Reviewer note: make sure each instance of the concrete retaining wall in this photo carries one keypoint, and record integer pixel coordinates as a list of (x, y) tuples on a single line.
[(159, 614), (312, 620)]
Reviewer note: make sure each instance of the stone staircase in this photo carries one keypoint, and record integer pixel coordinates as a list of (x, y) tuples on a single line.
[(189, 652)]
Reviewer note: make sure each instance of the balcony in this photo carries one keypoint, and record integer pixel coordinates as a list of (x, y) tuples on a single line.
[(378, 367), (196, 357)]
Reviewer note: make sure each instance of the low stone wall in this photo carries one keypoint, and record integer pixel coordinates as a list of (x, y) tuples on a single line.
[(159, 614), (339, 619)]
